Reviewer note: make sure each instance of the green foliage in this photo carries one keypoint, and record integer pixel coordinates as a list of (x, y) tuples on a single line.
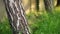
[(45, 23), (5, 27)]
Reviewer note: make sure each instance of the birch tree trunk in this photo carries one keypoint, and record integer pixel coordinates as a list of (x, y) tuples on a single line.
[(16, 16)]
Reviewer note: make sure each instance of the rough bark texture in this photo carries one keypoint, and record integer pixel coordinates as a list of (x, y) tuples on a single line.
[(16, 16), (49, 4)]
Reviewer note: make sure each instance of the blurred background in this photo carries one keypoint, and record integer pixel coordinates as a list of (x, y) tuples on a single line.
[(43, 16)]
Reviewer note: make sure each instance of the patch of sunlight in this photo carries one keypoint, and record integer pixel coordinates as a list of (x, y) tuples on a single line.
[(42, 33), (57, 8), (55, 2), (3, 19), (30, 22), (27, 12)]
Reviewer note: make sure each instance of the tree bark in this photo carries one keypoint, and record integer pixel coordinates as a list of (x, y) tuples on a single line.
[(58, 2), (37, 5), (16, 16), (49, 4)]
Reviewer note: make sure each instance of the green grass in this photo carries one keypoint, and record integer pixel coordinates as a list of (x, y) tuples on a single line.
[(45, 23), (5, 27)]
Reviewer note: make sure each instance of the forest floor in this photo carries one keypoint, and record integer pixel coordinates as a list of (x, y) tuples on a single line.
[(45, 23)]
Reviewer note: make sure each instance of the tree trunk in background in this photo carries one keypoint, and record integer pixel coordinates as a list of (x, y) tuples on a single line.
[(30, 5), (58, 2), (37, 5), (16, 16), (49, 5)]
